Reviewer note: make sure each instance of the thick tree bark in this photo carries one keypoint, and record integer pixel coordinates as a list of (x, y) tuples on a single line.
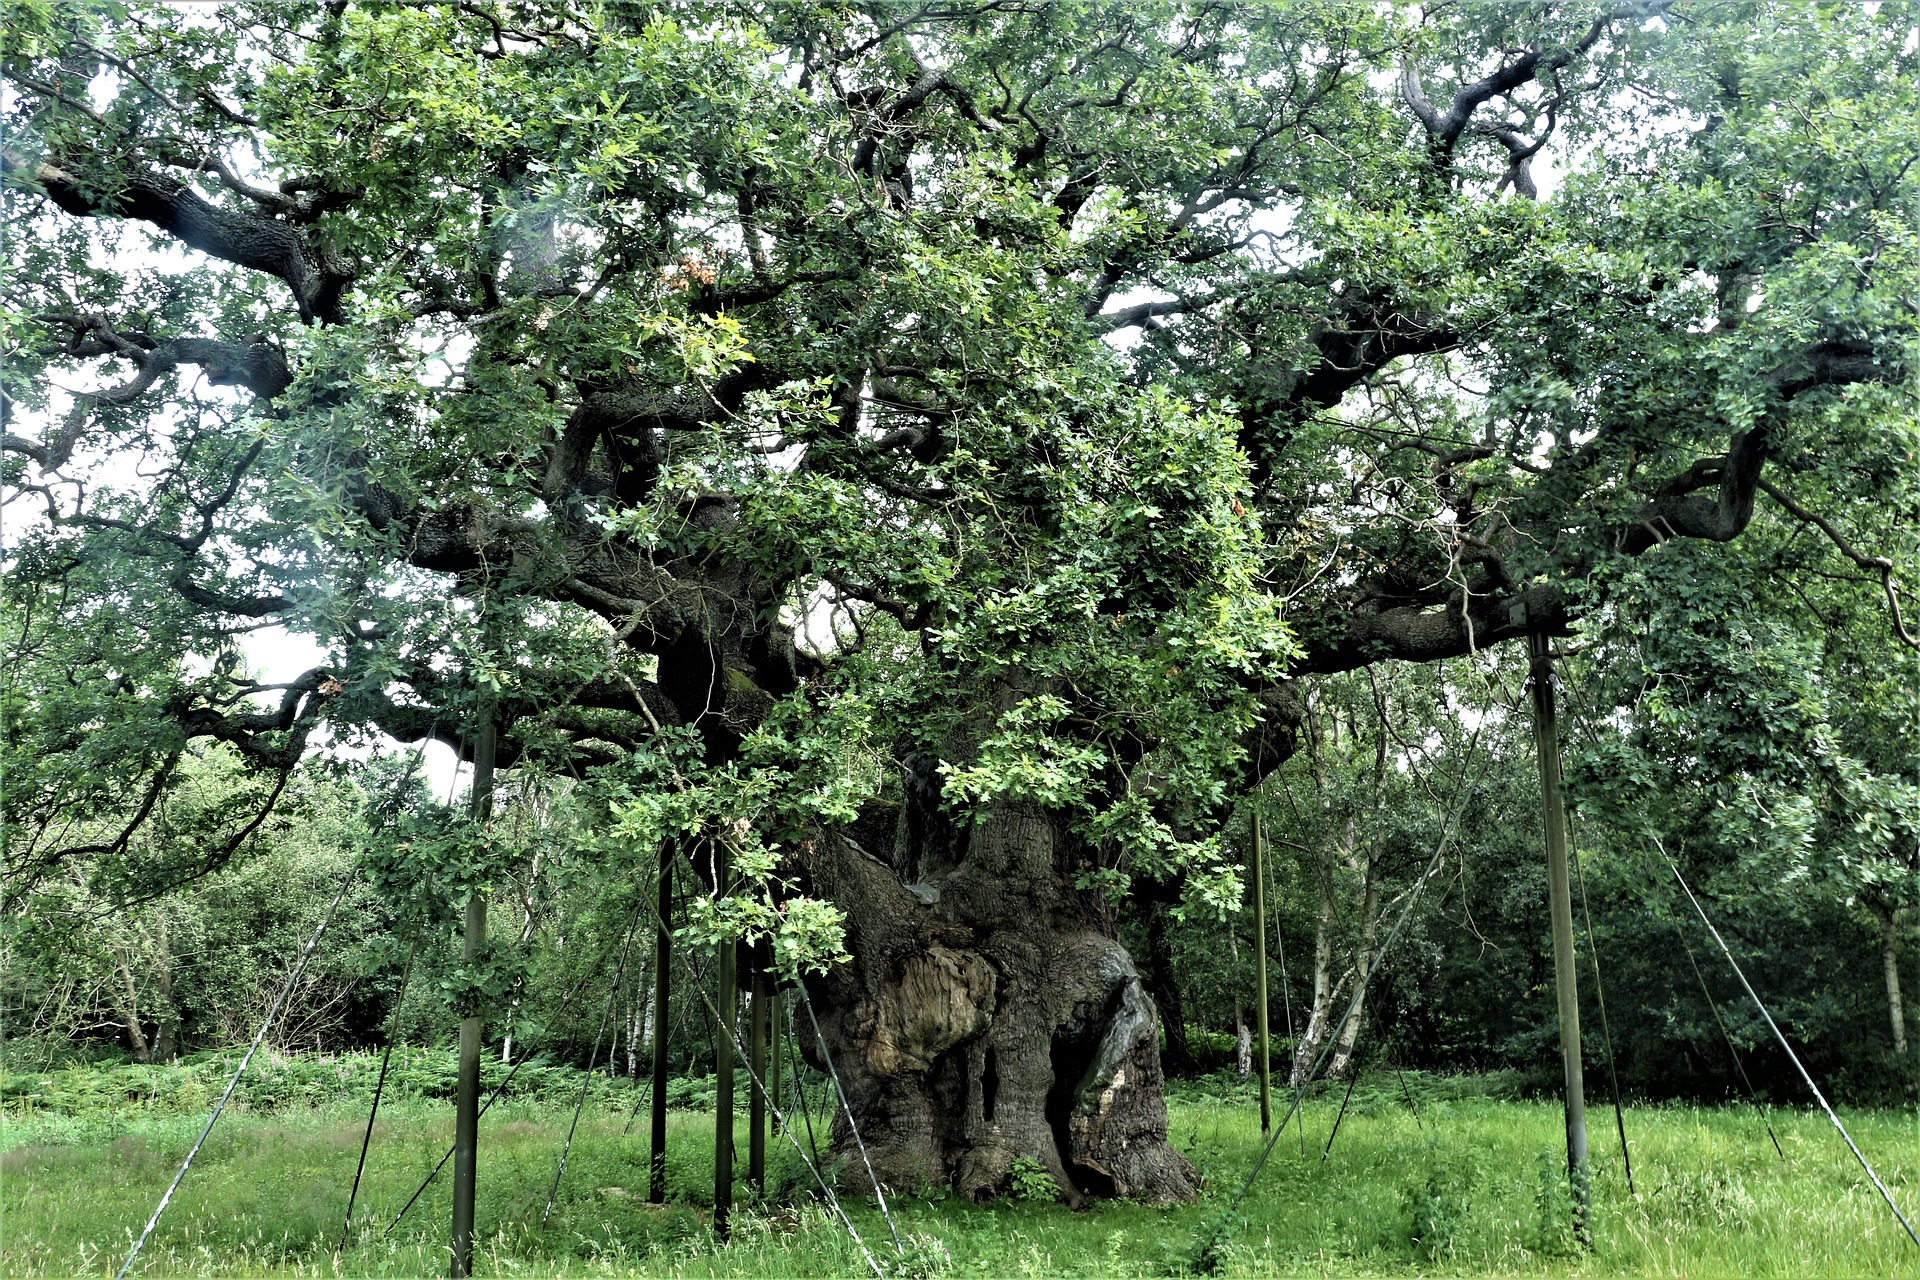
[(985, 983), (989, 1014)]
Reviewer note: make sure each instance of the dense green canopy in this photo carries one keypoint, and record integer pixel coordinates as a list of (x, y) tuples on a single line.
[(770, 401)]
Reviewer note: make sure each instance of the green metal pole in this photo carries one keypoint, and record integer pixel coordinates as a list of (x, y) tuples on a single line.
[(1260, 969), (1560, 904), (723, 1066), (466, 1123), (662, 989)]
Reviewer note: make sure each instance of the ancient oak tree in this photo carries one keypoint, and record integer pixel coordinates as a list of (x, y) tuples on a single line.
[(918, 446)]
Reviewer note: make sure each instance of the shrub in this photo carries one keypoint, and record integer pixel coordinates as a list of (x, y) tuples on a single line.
[(1440, 1208), (1029, 1182), (921, 1257), (1213, 1251)]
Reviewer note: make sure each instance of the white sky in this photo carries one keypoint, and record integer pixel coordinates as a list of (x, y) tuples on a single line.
[(277, 655)]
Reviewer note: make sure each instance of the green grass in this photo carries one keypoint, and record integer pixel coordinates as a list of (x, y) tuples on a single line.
[(1481, 1178)]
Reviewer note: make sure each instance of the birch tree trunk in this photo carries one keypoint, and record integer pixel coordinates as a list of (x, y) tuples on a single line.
[(1242, 1034), (1321, 1011), (126, 1003), (651, 1025), (637, 1030), (1363, 961), (1890, 962)]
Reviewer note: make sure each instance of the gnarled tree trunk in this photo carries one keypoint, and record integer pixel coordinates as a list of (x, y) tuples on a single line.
[(989, 1013)]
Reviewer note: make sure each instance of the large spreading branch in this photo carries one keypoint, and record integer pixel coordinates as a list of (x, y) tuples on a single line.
[(1713, 501), (1880, 566), (1444, 129), (256, 366), (123, 188)]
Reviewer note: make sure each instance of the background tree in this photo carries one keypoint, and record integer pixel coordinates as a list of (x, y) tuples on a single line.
[(90, 956)]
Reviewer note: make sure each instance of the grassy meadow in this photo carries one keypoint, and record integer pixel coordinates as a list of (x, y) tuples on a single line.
[(1473, 1185)]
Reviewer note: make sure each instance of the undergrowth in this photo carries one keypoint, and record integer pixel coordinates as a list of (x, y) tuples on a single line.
[(1471, 1185), (92, 1090)]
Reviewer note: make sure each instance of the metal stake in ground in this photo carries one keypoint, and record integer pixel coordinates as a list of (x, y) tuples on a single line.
[(813, 1165), (586, 1078), (1355, 1064), (1341, 1114), (273, 1012), (1260, 970), (466, 1121), (846, 1109), (1286, 994), (1713, 1007), (647, 1094), (499, 1090), (1781, 1036), (379, 1085), (1412, 897), (1606, 1032), (800, 1100), (662, 989), (1560, 905), (1408, 1094)]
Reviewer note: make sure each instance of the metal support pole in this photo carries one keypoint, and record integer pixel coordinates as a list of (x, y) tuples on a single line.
[(726, 1005), (1260, 969), (1560, 905), (757, 1070), (466, 1124), (662, 989)]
